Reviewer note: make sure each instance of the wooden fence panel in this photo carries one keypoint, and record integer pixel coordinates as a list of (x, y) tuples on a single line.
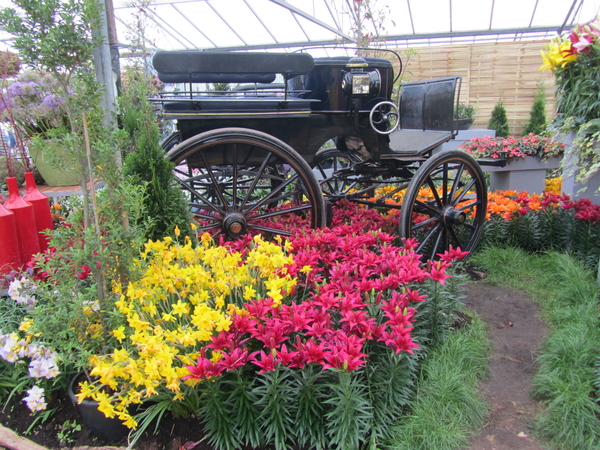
[(491, 71)]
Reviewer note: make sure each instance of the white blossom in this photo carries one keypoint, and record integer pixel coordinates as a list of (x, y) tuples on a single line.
[(35, 399)]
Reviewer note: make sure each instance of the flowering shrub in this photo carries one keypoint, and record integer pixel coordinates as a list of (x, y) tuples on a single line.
[(20, 348), (182, 298), (575, 59), (34, 104), (328, 306), (513, 147), (544, 222), (554, 185)]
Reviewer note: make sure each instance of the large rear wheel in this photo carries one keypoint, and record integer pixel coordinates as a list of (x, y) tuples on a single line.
[(239, 180), (445, 204)]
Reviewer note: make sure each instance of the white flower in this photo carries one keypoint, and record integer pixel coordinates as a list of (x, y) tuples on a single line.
[(7, 351), (14, 289), (35, 399)]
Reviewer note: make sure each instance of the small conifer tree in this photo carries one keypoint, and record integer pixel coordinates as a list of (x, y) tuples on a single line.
[(146, 163), (499, 121), (537, 119)]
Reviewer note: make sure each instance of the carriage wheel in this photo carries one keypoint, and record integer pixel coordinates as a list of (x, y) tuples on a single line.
[(239, 180), (445, 204), (333, 169), (170, 141)]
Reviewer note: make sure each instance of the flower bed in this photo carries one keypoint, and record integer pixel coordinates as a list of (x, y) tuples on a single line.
[(513, 147), (310, 342), (526, 160), (544, 222)]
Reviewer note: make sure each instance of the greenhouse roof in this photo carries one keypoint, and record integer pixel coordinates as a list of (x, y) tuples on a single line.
[(281, 24), (285, 25)]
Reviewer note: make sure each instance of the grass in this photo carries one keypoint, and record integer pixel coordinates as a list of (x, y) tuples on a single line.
[(447, 405), (568, 295)]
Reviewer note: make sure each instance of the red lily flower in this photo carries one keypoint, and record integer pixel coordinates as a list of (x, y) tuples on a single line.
[(266, 363)]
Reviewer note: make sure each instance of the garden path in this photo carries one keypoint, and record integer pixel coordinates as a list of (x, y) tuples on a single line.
[(515, 332)]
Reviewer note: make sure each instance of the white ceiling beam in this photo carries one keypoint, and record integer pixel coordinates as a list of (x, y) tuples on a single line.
[(313, 19)]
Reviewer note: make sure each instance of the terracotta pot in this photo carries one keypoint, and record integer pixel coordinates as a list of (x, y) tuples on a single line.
[(27, 233), (108, 429), (10, 256), (41, 207)]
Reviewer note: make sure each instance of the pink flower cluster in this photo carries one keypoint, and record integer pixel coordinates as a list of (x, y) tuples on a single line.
[(353, 288), (513, 147), (583, 37)]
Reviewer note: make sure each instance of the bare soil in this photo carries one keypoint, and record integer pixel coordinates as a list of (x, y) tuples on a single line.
[(514, 330)]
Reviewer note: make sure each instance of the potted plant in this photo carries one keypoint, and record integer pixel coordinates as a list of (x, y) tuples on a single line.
[(527, 159), (574, 58), (465, 115), (33, 104)]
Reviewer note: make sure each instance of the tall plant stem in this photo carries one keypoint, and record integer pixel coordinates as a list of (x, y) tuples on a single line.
[(99, 273)]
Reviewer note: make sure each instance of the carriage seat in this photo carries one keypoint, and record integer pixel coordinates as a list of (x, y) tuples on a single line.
[(196, 66), (426, 116)]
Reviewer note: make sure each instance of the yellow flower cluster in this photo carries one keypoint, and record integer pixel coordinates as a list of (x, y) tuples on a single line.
[(558, 54), (554, 185), (186, 294)]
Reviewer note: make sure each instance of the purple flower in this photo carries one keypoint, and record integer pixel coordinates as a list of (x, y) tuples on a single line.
[(15, 89), (52, 101)]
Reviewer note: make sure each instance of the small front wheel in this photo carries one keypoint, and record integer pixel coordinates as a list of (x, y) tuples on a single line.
[(445, 204)]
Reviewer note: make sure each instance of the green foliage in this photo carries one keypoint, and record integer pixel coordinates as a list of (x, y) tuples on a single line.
[(55, 35), (350, 417), (555, 229), (567, 377), (275, 394), (74, 310), (310, 420), (437, 314), (577, 88), (218, 416), (464, 112), (499, 121), (146, 163), (537, 115), (447, 406), (66, 431)]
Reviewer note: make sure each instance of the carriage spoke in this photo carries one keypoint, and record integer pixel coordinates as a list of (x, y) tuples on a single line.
[(271, 196), (435, 192), (204, 216), (456, 181), (468, 206), (425, 222), (271, 230), (428, 236), (201, 197), (254, 183), (464, 192), (280, 212), (426, 206), (436, 245), (455, 237), (235, 176), (215, 183), (208, 227)]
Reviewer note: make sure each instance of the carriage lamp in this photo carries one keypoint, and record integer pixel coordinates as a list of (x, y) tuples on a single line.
[(359, 82)]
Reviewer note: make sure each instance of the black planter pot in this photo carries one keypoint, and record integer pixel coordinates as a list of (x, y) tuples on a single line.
[(104, 428), (464, 124)]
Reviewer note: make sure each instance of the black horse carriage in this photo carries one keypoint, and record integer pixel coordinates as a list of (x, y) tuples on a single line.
[(296, 133)]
